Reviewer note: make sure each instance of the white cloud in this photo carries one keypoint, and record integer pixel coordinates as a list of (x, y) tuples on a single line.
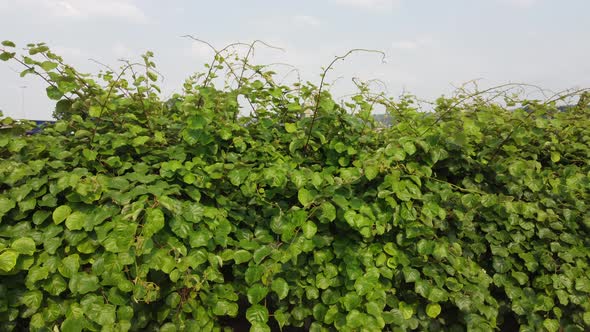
[(306, 20), (68, 52), (520, 3), (201, 51), (120, 50), (371, 4), (413, 44), (288, 22), (85, 9), (404, 45)]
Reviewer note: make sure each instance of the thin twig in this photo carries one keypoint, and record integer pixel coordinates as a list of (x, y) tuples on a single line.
[(318, 96)]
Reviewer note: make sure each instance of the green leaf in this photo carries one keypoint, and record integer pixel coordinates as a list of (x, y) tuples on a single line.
[(371, 171), (24, 246), (83, 283), (242, 256), (254, 274), (340, 147), (317, 180), (48, 65), (225, 308), (189, 178), (453, 284), (72, 325), (54, 93), (406, 310), (6, 204), (322, 282), (237, 176), (26, 71), (139, 141), (281, 317), (366, 283), (261, 253), (259, 327), (433, 310), (351, 301), (8, 260), (61, 213), (312, 293), (355, 319), (396, 152), (5, 56), (76, 221), (422, 287), (152, 76), (280, 287), (8, 43), (409, 148), (298, 178), (328, 212), (441, 250), (69, 265), (350, 174), (56, 285), (295, 145), (555, 156), (89, 154), (552, 325), (500, 264), (35, 274), (154, 222), (95, 111), (256, 293), (521, 277), (200, 238), (425, 247), (257, 314), (582, 284), (306, 197), (375, 309), (39, 48), (309, 229), (410, 274), (103, 314), (331, 314), (291, 127), (168, 327), (121, 237), (489, 200), (327, 104)]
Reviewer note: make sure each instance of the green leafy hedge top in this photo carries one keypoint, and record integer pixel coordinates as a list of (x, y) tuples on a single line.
[(135, 213)]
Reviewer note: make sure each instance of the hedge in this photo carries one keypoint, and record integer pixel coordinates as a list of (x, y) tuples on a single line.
[(136, 213)]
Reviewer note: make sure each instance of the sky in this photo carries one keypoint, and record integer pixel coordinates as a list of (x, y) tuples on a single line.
[(431, 46)]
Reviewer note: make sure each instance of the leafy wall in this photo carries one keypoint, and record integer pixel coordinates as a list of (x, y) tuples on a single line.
[(134, 213)]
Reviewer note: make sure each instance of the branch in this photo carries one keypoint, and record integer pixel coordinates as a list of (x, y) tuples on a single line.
[(317, 104)]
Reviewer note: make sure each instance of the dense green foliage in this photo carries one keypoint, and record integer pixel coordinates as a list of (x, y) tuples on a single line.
[(134, 213)]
